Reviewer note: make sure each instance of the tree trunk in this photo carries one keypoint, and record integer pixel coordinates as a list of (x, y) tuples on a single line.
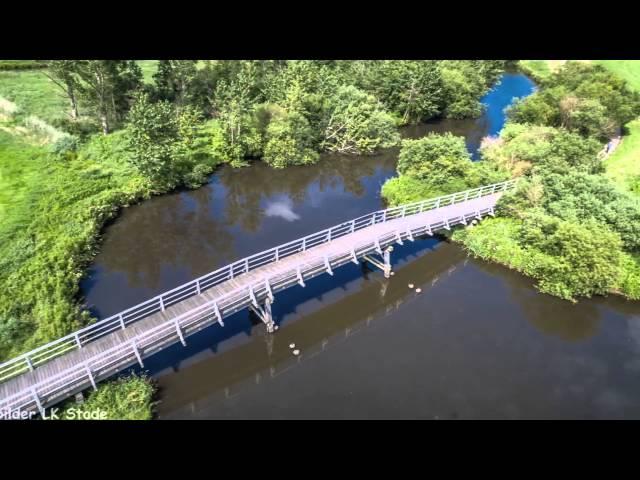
[(74, 103), (104, 121)]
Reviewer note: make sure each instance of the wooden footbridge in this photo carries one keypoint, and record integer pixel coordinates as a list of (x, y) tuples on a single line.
[(62, 368)]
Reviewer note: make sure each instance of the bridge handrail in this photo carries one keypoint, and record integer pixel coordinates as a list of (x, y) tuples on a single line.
[(90, 365), (75, 340)]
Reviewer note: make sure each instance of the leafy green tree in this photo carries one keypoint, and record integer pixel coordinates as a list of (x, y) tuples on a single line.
[(106, 87), (288, 141), (424, 158), (523, 147), (412, 90), (582, 259), (463, 88), (174, 80), (577, 196), (584, 98), (152, 136), (357, 123), (63, 74)]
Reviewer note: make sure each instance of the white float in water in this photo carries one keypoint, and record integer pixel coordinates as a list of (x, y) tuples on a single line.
[(292, 345), (411, 285), (296, 352), (418, 290)]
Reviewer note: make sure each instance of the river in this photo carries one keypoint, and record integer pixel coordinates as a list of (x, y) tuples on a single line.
[(478, 342)]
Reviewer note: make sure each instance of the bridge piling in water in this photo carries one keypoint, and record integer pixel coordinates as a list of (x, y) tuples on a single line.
[(264, 313)]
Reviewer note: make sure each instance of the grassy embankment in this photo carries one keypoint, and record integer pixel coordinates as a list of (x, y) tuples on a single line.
[(126, 398), (51, 213), (623, 166)]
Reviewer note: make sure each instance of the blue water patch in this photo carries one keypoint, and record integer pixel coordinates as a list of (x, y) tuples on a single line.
[(510, 87)]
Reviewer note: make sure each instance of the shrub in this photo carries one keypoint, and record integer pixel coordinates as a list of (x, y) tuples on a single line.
[(65, 145), (127, 398)]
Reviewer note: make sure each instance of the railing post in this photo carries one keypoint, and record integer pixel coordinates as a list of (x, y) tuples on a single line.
[(246, 265), (438, 202), (198, 287), (77, 337), (384, 216), (90, 375), (404, 211), (122, 321), (277, 255), (184, 344), (504, 186), (29, 364), (161, 303), (37, 400), (304, 244), (137, 353), (218, 314), (466, 195), (329, 236), (493, 189), (353, 226)]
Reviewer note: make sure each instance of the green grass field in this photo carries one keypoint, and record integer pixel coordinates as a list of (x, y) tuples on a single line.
[(627, 69), (34, 93), (623, 165)]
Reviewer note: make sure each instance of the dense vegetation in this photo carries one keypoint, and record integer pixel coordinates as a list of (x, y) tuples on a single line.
[(83, 138), (126, 398), (567, 224)]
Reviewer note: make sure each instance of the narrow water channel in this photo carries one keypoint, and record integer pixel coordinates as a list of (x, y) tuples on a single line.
[(478, 342)]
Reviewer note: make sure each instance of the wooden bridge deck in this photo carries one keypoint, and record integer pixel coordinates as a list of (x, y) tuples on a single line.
[(342, 245)]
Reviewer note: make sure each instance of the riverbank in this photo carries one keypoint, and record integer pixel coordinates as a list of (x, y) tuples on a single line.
[(125, 398)]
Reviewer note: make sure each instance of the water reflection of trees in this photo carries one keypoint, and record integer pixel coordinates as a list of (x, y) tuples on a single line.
[(550, 315), (178, 230), (181, 230), (247, 187)]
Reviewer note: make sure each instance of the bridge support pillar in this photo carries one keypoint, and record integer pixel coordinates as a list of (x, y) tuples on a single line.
[(387, 261), (385, 265), (264, 314)]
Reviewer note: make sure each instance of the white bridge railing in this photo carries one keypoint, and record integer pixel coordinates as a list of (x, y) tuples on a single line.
[(76, 340)]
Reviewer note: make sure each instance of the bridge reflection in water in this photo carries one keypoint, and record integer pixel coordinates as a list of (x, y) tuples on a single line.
[(55, 371)]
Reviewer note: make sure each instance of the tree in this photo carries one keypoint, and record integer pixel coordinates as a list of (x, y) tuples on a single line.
[(523, 147), (152, 135), (425, 157), (174, 80), (106, 87), (357, 123), (412, 90), (63, 74), (579, 259), (288, 141)]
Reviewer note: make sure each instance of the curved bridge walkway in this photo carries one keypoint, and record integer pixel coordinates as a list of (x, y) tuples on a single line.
[(62, 368)]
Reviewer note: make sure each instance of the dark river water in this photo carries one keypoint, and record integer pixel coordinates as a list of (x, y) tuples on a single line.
[(478, 342)]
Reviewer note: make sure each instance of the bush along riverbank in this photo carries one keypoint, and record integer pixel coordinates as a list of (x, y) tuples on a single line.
[(567, 225), (73, 151), (126, 398)]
